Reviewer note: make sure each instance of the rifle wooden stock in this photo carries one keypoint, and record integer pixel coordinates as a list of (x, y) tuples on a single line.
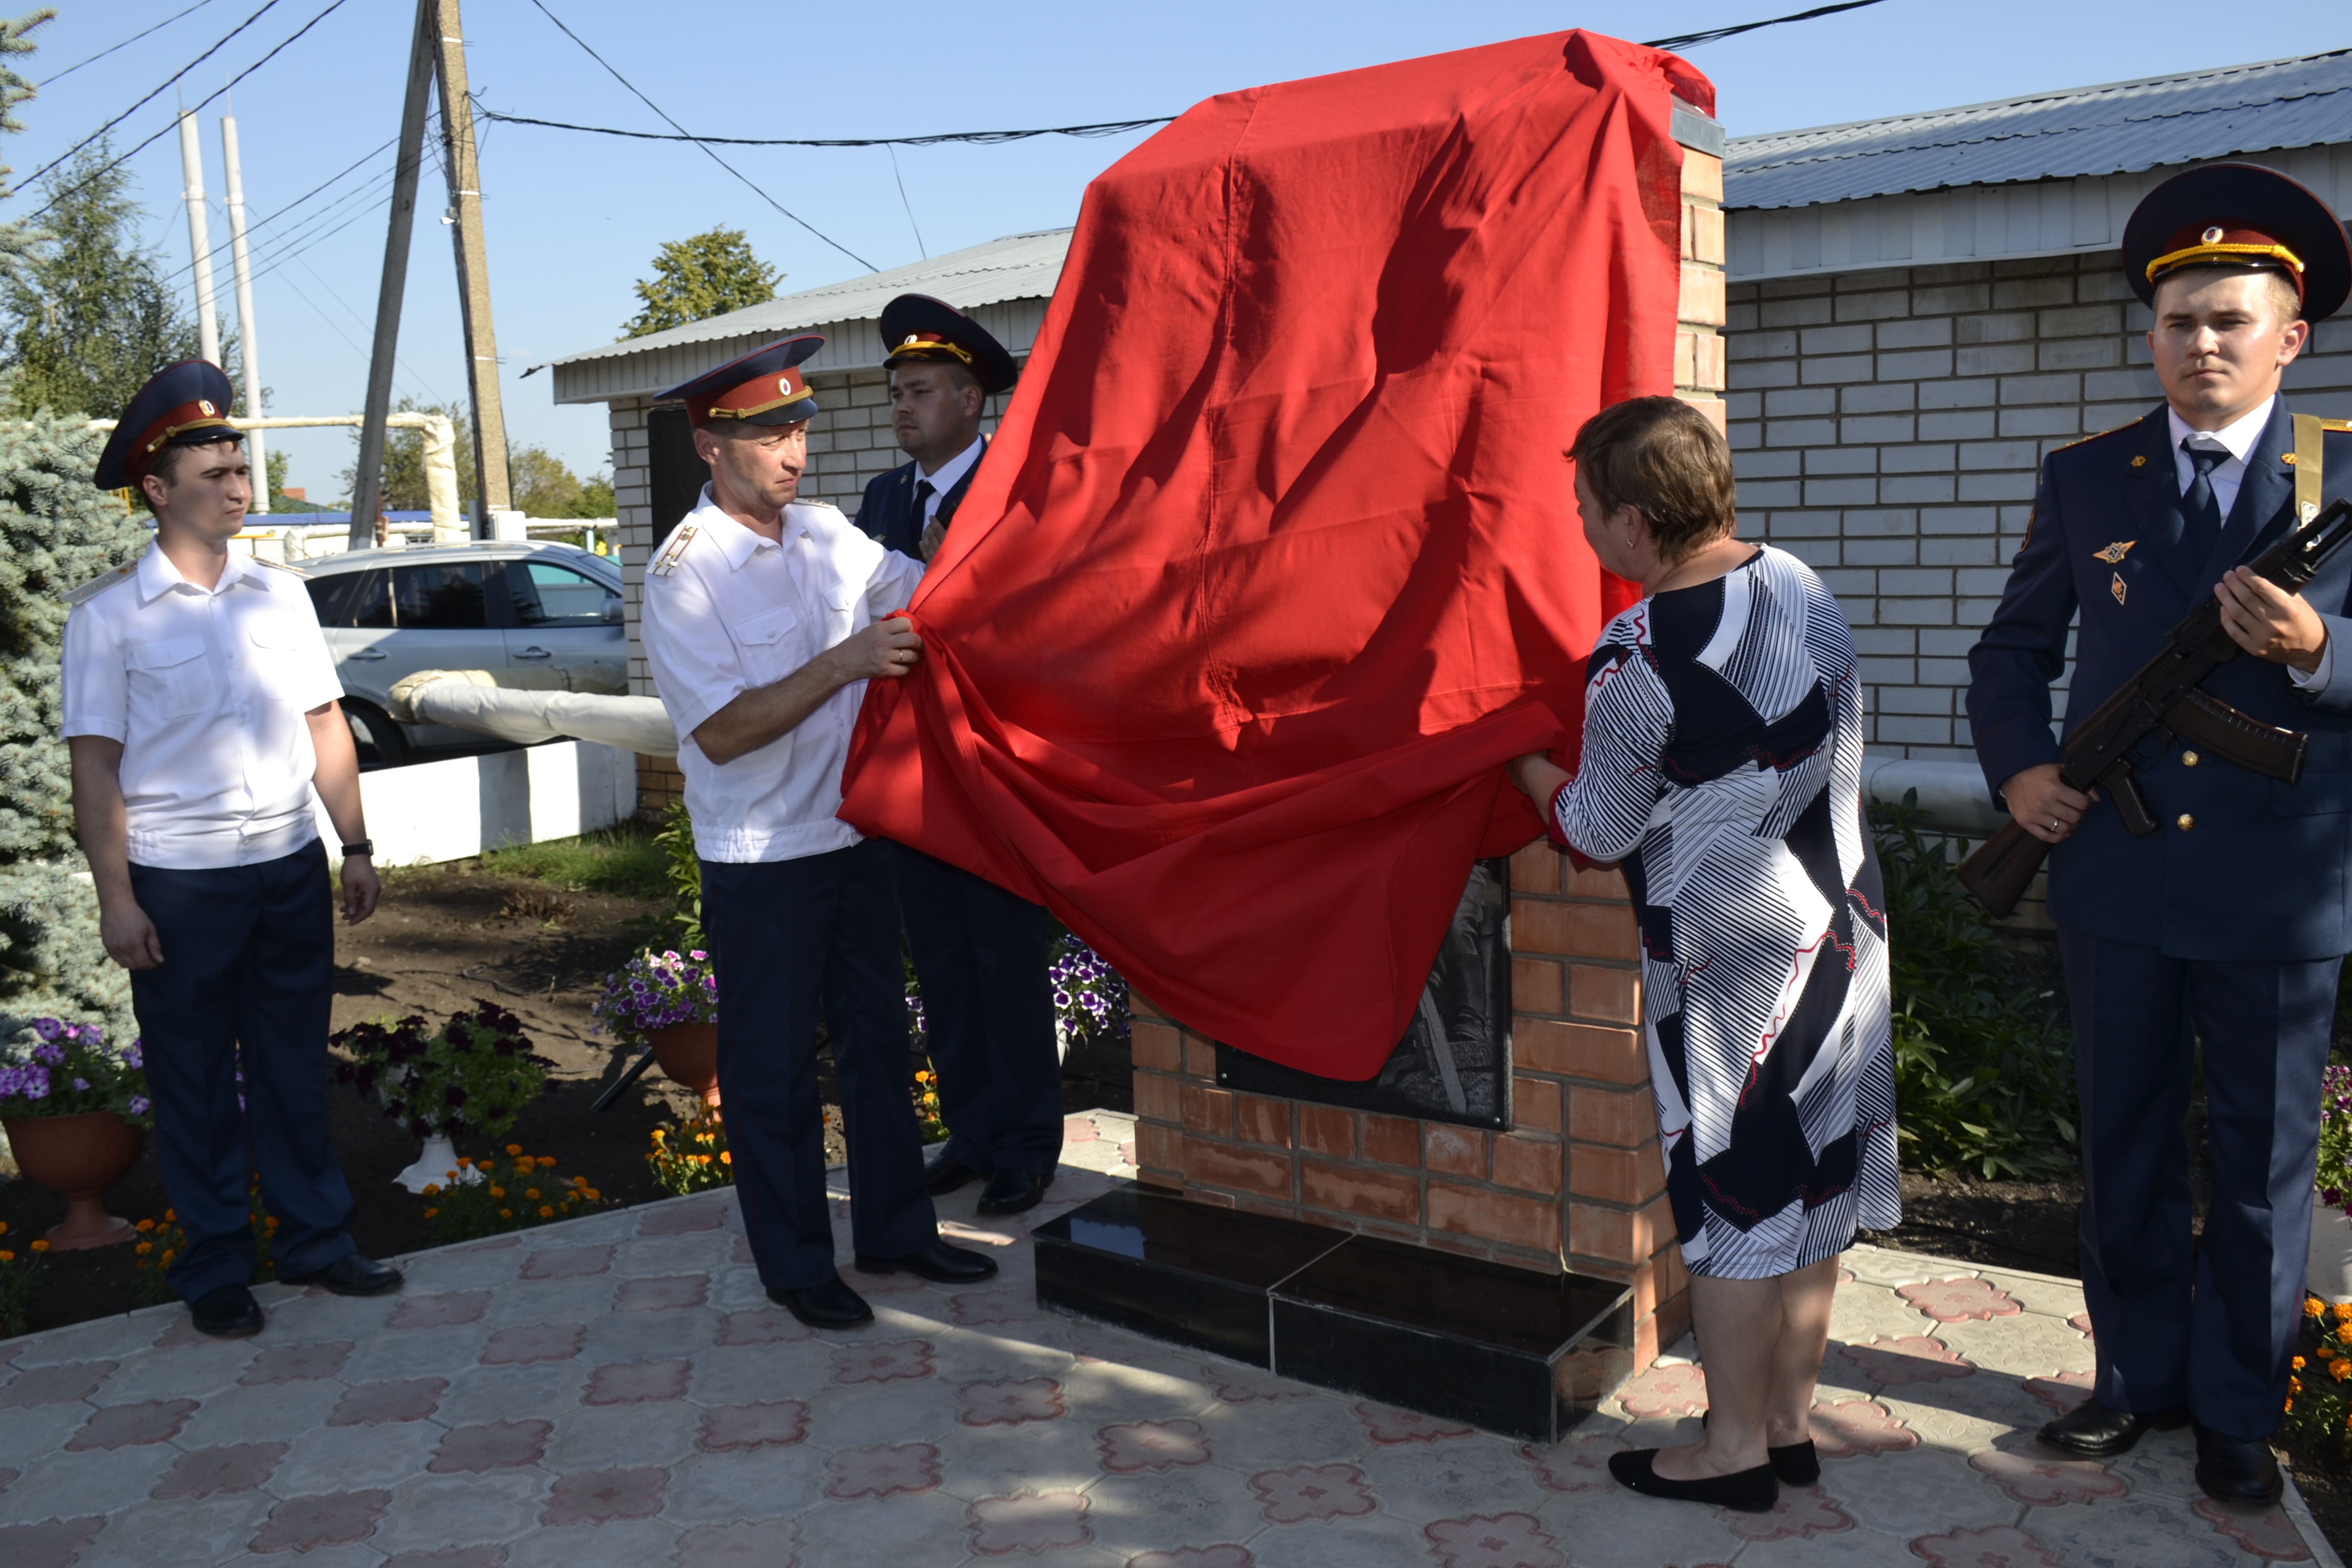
[(1999, 872)]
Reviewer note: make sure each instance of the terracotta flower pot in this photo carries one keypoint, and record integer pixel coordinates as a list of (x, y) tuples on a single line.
[(78, 1158), (688, 1054)]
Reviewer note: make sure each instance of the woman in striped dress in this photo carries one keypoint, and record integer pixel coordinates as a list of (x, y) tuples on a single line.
[(1721, 768)]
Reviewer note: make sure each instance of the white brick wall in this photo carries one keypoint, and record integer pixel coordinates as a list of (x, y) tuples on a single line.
[(1888, 427)]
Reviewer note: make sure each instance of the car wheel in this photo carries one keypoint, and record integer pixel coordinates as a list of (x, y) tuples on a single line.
[(379, 741)]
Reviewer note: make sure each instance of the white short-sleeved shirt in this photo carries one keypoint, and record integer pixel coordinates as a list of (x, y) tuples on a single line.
[(726, 611), (206, 690)]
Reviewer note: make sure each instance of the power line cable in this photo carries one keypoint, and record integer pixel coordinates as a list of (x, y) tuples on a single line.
[(1692, 40), (332, 7), (984, 138), (168, 82), (992, 138), (714, 157), (125, 44), (261, 223)]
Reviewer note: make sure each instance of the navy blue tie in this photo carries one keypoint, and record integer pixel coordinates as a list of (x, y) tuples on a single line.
[(2200, 506)]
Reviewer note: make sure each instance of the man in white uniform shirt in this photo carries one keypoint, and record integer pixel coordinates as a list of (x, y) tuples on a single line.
[(764, 617), (200, 710)]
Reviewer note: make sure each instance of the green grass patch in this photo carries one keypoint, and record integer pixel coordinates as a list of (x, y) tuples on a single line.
[(623, 860)]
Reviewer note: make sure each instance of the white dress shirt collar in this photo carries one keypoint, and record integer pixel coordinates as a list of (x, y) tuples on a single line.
[(952, 471), (157, 575)]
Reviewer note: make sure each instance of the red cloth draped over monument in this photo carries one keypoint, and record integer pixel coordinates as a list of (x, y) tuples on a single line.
[(1274, 561)]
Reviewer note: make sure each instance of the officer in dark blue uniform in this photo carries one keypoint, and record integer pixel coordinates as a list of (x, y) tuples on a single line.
[(980, 951), (2222, 932)]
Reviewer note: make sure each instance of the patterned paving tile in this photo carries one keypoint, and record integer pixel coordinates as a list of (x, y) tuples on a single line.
[(618, 1389)]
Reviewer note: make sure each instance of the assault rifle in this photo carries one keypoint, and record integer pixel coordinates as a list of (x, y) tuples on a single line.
[(2162, 700)]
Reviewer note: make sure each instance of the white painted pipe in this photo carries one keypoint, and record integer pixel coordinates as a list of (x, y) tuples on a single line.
[(192, 167), (251, 338)]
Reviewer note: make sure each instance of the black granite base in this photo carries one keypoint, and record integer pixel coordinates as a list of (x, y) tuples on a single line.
[(1506, 1349)]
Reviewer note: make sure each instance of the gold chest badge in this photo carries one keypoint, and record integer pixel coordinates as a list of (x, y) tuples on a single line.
[(2114, 553)]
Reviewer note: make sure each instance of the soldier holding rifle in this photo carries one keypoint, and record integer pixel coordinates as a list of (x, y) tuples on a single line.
[(2215, 919)]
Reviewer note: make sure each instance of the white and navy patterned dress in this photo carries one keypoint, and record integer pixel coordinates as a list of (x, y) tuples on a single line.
[(1723, 766)]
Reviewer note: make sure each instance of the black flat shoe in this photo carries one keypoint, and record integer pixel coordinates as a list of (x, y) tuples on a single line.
[(948, 1265), (227, 1313), (2093, 1431), (1744, 1491), (351, 1275), (942, 1175), (2235, 1471), (1796, 1463), (832, 1305), (1010, 1192)]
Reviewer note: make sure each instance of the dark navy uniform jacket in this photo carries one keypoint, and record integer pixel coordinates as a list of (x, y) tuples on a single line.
[(887, 512), (2263, 869)]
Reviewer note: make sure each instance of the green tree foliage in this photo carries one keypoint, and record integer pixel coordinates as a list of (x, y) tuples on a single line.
[(1984, 1064), (279, 500), (57, 531), (90, 316), (705, 275), (538, 482)]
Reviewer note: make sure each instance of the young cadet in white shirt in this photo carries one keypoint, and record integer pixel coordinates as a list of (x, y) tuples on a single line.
[(764, 617), (200, 710)]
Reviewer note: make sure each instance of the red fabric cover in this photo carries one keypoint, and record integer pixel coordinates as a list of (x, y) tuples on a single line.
[(1275, 560)]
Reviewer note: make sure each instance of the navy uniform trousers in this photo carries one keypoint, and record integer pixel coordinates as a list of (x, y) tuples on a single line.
[(790, 938), (2221, 1346), (988, 1014), (247, 973)]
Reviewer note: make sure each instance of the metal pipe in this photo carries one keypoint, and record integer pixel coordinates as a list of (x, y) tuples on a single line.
[(192, 169), (249, 339)]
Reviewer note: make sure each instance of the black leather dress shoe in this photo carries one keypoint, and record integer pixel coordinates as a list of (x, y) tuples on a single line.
[(1744, 1491), (1010, 1192), (948, 1265), (1797, 1464), (351, 1275), (832, 1305), (943, 1176), (227, 1313), (2235, 1471), (2095, 1432)]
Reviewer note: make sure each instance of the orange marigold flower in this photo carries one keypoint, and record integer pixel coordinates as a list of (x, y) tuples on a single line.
[(143, 1226), (2344, 1311), (531, 1192), (2294, 1385), (2313, 1307), (545, 1212), (497, 1192), (2298, 1363), (40, 1246), (432, 1189), (144, 1247), (514, 1148), (2325, 1351), (430, 1213), (506, 1214), (726, 1157), (7, 1255), (2341, 1371)]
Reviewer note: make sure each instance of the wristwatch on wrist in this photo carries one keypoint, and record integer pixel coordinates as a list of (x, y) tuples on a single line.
[(364, 846)]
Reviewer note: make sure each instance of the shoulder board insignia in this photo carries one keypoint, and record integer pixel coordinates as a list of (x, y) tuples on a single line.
[(2114, 553), (99, 583), (665, 563), (2335, 424), (2100, 437)]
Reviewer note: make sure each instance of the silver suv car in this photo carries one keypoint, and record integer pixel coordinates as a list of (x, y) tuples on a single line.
[(507, 605)]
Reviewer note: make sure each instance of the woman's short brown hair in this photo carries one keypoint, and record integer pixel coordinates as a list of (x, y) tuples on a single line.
[(1662, 457)]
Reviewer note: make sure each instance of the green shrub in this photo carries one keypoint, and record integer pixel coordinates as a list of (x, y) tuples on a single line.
[(677, 841), (1984, 1071)]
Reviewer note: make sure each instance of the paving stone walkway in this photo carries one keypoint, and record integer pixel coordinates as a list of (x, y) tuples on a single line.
[(618, 1390)]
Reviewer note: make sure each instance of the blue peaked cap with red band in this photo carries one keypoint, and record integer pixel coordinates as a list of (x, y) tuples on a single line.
[(183, 404), (763, 387)]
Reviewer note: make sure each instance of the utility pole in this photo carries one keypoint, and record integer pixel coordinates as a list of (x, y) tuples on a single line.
[(367, 479), (473, 271), (192, 168), (249, 340)]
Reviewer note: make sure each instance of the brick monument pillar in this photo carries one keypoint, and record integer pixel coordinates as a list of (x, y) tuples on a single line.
[(1577, 1182)]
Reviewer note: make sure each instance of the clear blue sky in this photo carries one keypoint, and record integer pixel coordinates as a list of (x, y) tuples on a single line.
[(572, 220)]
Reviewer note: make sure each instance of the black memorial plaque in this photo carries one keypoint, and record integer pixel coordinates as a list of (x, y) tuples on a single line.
[(1454, 1062)]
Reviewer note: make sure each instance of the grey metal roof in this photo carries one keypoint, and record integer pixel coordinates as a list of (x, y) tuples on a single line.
[(2122, 127), (1017, 267)]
